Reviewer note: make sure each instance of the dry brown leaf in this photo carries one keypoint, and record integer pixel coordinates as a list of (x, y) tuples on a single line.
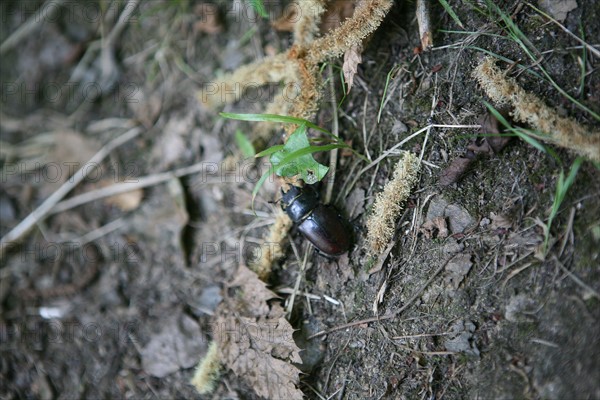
[(255, 340), (336, 13), (500, 221), (435, 227), (352, 57)]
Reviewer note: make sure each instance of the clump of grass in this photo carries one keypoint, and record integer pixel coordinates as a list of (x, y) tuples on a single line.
[(207, 372), (562, 187), (531, 110), (381, 224)]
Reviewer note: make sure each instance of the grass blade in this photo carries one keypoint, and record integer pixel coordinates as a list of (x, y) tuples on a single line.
[(451, 12), (284, 119)]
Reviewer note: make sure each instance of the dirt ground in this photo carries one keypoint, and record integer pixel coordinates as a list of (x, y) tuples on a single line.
[(115, 298)]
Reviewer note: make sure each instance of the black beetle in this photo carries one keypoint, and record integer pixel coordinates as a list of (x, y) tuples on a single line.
[(322, 225)]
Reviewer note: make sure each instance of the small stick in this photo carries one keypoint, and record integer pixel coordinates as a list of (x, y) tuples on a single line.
[(577, 280), (47, 12), (18, 232), (591, 48), (424, 22), (333, 155), (124, 187)]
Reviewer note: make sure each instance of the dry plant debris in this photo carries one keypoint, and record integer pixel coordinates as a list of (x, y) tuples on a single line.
[(424, 20), (255, 340), (273, 246), (481, 146), (206, 374), (352, 58), (381, 224), (531, 110), (298, 67)]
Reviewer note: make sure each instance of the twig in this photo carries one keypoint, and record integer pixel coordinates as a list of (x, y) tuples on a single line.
[(100, 232), (47, 12), (419, 335), (595, 51), (124, 187), (387, 316), (120, 25), (333, 155), (19, 231), (424, 22), (417, 133), (568, 232), (296, 290), (577, 280)]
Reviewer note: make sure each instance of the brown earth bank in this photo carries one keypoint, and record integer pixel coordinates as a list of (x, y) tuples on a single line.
[(476, 295)]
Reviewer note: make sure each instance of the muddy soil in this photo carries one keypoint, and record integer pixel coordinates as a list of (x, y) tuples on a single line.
[(114, 298)]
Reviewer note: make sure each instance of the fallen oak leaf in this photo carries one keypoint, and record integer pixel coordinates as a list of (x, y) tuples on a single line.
[(255, 340)]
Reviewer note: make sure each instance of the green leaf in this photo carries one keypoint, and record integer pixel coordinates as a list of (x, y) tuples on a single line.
[(244, 144), (451, 12), (562, 187), (295, 158), (269, 151), (260, 182), (259, 7), (284, 119)]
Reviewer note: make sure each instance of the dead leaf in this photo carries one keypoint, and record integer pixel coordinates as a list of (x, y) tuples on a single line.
[(457, 268), (453, 172), (352, 57), (500, 221), (436, 227), (146, 108), (558, 8), (379, 297), (208, 19), (255, 340), (481, 146), (178, 345)]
